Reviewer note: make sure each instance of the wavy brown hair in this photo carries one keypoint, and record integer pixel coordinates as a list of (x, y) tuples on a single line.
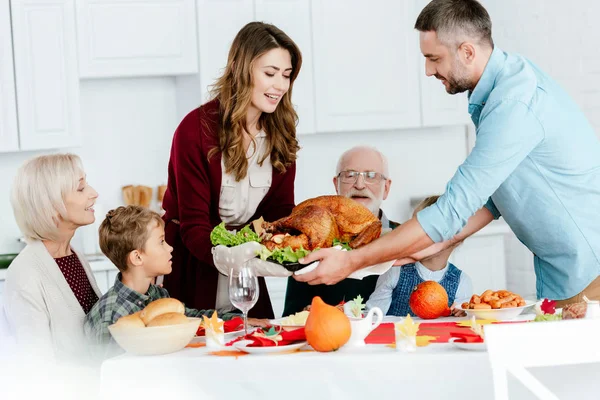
[(234, 92)]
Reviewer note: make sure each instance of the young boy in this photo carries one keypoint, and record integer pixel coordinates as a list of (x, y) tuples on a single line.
[(133, 238), (394, 288)]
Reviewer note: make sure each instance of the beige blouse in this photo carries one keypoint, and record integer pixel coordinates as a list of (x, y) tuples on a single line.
[(239, 200)]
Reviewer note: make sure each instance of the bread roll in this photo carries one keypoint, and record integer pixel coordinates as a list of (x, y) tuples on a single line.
[(131, 321), (161, 306), (171, 318)]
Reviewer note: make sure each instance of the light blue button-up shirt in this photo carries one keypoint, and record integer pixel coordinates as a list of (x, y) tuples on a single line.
[(536, 162)]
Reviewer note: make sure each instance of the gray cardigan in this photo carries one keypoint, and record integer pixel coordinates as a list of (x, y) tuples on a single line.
[(41, 308)]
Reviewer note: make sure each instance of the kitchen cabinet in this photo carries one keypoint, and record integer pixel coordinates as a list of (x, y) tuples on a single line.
[(438, 108), (9, 135), (45, 68), (482, 257), (366, 67), (215, 39), (218, 23), (294, 18), (104, 272), (136, 38)]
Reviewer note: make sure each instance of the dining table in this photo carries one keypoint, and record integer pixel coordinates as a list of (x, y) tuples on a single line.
[(375, 371)]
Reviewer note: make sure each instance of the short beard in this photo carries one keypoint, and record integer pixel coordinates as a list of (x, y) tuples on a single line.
[(373, 205), (458, 81), (457, 86)]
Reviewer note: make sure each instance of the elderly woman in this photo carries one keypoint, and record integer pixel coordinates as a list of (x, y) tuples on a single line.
[(50, 287)]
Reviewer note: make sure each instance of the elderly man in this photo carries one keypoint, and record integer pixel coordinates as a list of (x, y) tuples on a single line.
[(536, 162), (362, 174)]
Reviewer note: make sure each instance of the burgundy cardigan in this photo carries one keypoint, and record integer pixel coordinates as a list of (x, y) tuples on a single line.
[(191, 203)]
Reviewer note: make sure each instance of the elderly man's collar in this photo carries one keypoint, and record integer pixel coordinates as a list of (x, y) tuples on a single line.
[(385, 222)]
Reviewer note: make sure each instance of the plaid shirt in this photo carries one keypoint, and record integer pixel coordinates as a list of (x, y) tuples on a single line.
[(119, 301)]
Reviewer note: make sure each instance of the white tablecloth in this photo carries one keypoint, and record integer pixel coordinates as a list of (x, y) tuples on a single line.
[(438, 371)]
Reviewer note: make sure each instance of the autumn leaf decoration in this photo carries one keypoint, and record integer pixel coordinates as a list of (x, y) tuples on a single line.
[(548, 306), (476, 327), (357, 306), (407, 328), (212, 324)]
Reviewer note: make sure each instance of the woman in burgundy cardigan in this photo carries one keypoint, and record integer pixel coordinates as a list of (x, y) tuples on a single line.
[(233, 160)]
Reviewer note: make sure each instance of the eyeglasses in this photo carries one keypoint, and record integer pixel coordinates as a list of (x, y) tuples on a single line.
[(370, 177)]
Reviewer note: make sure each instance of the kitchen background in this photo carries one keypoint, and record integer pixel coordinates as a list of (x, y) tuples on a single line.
[(110, 80)]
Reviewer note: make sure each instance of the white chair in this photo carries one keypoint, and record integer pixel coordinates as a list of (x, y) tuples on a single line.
[(515, 347)]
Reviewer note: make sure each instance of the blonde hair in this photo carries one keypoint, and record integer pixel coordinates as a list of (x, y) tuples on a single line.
[(39, 190), (428, 201), (234, 92), (124, 230)]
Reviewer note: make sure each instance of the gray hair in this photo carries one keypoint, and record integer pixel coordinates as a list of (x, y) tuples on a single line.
[(383, 158), (454, 21), (39, 190)]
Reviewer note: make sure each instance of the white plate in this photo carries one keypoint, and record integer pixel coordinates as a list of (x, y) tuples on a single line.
[(501, 314), (229, 336), (278, 322), (468, 346), (241, 346)]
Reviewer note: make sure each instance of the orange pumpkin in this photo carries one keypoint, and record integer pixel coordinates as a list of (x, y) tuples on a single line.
[(327, 328), (429, 300)]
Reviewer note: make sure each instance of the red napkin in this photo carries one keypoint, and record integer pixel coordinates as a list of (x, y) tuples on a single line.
[(232, 325), (383, 334), (441, 330), (259, 340), (466, 337)]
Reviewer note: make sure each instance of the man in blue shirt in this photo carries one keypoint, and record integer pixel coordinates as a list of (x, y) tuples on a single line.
[(536, 162)]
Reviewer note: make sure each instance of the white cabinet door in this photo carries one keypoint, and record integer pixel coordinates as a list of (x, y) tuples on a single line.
[(293, 17), (46, 73), (111, 275), (483, 259), (437, 106), (102, 281), (218, 23), (366, 65), (9, 135), (136, 37)]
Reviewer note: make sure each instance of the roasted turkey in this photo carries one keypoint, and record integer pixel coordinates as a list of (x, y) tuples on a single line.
[(316, 222)]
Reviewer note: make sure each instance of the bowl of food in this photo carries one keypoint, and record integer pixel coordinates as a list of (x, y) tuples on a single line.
[(160, 328), (498, 305)]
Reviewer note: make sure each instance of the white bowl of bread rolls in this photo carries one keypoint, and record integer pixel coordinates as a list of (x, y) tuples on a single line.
[(160, 328)]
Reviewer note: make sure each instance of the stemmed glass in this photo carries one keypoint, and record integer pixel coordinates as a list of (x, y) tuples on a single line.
[(243, 290)]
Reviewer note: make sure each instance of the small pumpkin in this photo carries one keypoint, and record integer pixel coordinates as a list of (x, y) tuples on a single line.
[(429, 300), (327, 328)]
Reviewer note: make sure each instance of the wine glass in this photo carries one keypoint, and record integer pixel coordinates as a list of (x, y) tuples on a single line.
[(243, 290)]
